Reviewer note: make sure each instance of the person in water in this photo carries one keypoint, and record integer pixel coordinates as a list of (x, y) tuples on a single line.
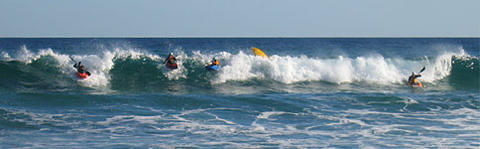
[(170, 59), (214, 62), (412, 80), (81, 68)]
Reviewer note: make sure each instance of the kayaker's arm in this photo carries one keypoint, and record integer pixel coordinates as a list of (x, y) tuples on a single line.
[(165, 61), (76, 65)]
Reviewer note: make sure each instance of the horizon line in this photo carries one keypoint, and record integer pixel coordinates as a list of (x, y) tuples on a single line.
[(239, 37)]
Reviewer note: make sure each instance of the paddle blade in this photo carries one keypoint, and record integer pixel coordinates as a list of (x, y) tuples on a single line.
[(422, 70)]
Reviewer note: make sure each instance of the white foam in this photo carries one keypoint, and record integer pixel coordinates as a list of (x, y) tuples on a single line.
[(124, 118), (441, 66), (267, 132), (373, 68), (5, 56), (180, 72), (98, 64), (266, 115)]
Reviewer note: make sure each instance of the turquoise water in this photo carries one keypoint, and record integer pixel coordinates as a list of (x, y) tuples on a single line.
[(335, 93)]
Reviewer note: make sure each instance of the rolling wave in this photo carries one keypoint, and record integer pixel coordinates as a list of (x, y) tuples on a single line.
[(132, 70)]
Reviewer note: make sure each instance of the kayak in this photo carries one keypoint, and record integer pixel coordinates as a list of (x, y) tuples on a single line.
[(212, 67), (259, 52), (82, 75), (171, 66), (418, 84)]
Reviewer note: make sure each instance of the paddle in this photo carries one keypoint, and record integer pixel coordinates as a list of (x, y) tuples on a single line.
[(421, 70), (73, 60)]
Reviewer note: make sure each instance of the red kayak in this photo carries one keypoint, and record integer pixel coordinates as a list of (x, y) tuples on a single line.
[(82, 75), (171, 66)]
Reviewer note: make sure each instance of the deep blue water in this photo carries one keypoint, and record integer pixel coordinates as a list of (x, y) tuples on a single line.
[(310, 92)]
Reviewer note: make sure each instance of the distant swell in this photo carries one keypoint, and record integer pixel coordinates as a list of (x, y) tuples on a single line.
[(131, 70)]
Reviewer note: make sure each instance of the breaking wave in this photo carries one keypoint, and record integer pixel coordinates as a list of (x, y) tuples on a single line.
[(133, 70)]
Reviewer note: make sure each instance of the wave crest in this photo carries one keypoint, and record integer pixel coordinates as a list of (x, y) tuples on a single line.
[(131, 69)]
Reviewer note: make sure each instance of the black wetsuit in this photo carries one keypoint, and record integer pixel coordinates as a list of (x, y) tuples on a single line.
[(170, 61), (412, 77), (81, 68)]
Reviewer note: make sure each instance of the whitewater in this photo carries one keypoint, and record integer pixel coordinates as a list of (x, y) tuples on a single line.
[(335, 93), (373, 68)]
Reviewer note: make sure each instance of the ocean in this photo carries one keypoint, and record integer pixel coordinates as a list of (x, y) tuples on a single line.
[(309, 93)]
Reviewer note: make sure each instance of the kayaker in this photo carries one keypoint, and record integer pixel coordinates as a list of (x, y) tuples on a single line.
[(81, 68), (214, 62), (170, 59), (412, 80)]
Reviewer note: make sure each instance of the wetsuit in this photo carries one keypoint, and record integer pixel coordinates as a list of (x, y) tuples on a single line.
[(81, 68), (170, 60), (412, 80)]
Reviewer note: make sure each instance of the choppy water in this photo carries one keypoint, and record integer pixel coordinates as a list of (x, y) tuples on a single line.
[(338, 93)]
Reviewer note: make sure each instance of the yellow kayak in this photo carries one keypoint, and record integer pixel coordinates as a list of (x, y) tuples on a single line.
[(418, 84), (259, 52)]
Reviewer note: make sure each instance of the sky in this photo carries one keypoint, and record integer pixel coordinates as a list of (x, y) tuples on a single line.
[(240, 18)]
